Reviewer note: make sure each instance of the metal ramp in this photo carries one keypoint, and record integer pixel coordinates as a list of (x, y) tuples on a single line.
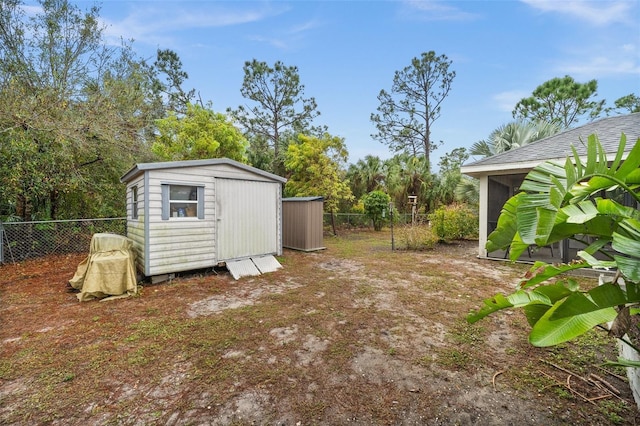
[(253, 266)]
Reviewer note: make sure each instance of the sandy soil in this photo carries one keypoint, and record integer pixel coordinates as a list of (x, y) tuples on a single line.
[(353, 334)]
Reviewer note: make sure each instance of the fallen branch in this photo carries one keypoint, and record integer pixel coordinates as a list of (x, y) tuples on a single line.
[(617, 376), (606, 384), (567, 371), (568, 386), (493, 379)]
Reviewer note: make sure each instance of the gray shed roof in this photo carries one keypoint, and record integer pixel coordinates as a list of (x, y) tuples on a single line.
[(303, 199), (558, 146), (140, 167)]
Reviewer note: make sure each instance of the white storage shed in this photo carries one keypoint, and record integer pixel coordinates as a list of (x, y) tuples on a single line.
[(187, 215)]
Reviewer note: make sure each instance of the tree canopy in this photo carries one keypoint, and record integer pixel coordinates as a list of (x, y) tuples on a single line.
[(72, 112), (315, 168), (200, 133), (278, 106), (629, 103), (562, 101), (406, 115)]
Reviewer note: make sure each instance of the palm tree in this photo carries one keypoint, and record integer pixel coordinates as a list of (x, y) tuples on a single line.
[(513, 135), (408, 175), (506, 137), (366, 175), (468, 191)]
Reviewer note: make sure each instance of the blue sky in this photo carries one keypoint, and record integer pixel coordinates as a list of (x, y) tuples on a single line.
[(347, 51)]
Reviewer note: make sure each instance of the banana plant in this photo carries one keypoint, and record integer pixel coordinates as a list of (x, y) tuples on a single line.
[(559, 201)]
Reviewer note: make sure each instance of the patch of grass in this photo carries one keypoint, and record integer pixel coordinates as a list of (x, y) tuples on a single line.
[(340, 351), (365, 290), (145, 355), (425, 361), (613, 410), (584, 351), (511, 351), (311, 410), (467, 334), (455, 358)]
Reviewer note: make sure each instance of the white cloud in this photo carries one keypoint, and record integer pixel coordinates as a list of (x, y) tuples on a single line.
[(600, 66), (272, 41), (434, 10), (154, 25), (599, 13), (304, 27), (598, 61), (506, 101), (287, 38)]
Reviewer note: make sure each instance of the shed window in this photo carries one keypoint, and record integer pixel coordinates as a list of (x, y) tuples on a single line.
[(182, 201), (134, 202)]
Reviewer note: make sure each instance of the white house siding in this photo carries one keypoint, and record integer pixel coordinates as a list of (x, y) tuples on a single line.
[(179, 244), (136, 227), (249, 218)]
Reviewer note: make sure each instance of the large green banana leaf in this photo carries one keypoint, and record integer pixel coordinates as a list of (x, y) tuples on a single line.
[(549, 332), (564, 201)]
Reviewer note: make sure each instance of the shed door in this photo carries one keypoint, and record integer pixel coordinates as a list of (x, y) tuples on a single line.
[(247, 218)]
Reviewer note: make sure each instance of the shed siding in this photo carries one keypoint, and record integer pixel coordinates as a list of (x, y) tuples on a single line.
[(249, 200), (248, 218), (302, 223), (135, 227), (180, 244)]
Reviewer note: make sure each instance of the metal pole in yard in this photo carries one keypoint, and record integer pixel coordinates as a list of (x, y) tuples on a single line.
[(1, 244), (391, 219)]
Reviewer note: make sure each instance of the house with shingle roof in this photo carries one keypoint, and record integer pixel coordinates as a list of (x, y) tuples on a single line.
[(501, 175)]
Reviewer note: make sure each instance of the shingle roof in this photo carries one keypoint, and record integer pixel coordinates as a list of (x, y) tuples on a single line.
[(558, 146)]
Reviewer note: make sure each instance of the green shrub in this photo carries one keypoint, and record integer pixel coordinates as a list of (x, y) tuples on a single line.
[(418, 237), (376, 208), (454, 222)]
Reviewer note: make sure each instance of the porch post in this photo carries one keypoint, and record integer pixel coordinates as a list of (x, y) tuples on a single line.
[(483, 208)]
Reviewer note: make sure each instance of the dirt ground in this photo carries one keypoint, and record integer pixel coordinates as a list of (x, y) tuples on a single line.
[(354, 334)]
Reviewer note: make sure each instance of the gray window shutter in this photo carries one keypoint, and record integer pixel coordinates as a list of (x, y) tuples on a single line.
[(165, 202), (201, 202)]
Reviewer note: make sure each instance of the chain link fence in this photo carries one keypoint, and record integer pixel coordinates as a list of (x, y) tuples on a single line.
[(28, 240), (358, 220)]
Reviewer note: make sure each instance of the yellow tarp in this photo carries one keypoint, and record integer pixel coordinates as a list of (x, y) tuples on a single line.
[(109, 270)]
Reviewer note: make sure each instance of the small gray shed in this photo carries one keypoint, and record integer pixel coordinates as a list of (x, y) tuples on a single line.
[(302, 219), (187, 215)]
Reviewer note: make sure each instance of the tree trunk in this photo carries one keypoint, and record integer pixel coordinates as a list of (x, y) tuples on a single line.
[(23, 207), (53, 204), (333, 223)]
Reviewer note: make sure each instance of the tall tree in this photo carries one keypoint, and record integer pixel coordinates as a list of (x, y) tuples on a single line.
[(562, 101), (278, 105), (628, 104), (406, 115), (169, 79), (72, 111), (200, 133), (316, 167), (513, 135), (449, 176)]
